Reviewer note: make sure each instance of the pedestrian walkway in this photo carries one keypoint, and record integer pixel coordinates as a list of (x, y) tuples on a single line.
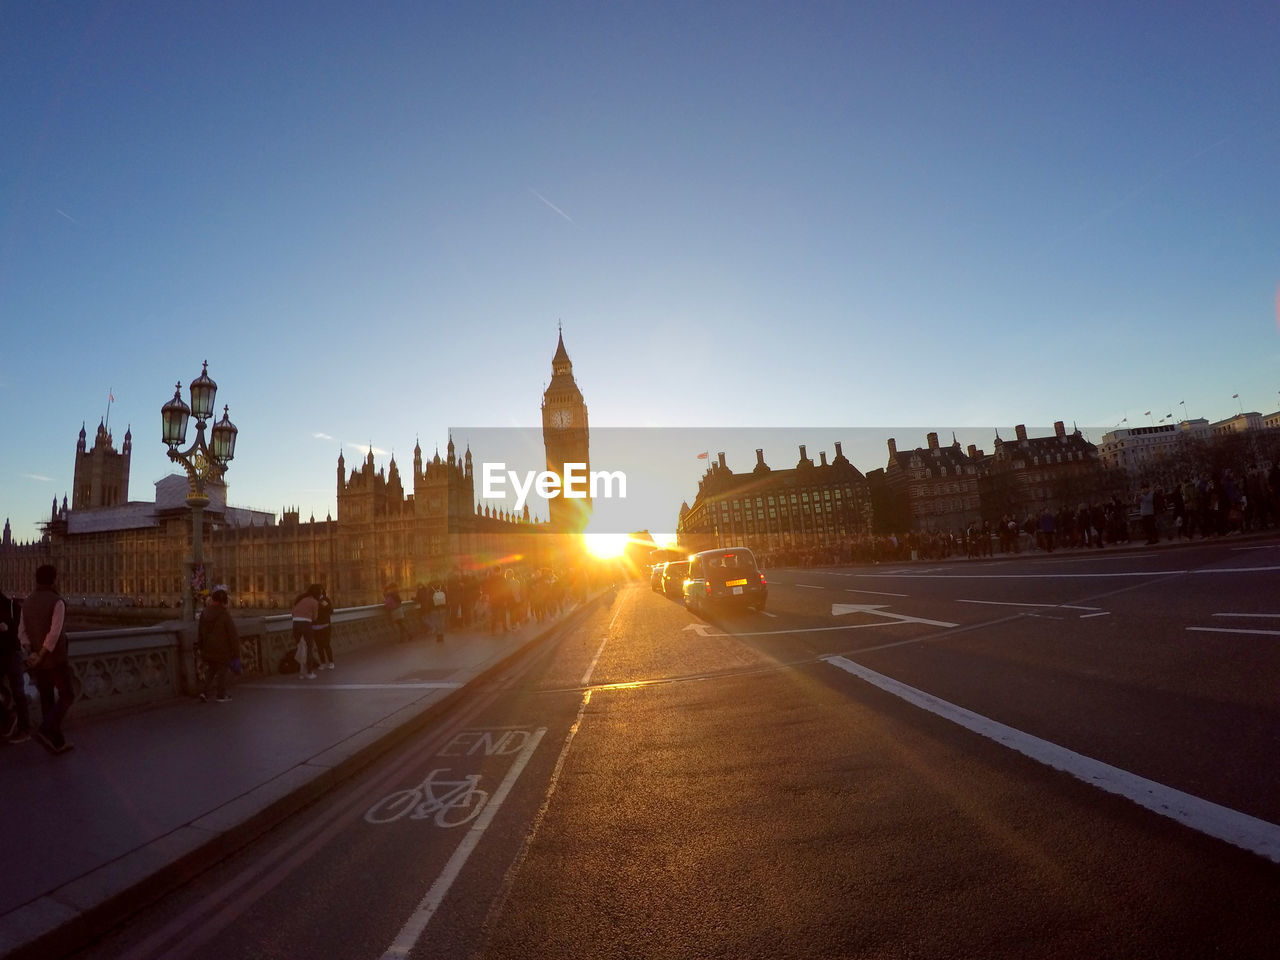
[(148, 798)]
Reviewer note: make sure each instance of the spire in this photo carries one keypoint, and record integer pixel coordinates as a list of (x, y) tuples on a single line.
[(560, 363)]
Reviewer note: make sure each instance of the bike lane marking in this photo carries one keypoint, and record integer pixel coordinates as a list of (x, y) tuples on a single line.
[(414, 927), (1239, 829)]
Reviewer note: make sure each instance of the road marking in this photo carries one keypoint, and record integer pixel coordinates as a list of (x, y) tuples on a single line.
[(878, 593), (771, 616), (1038, 606), (878, 610), (412, 931), (1086, 616), (1271, 616), (702, 630), (1264, 633), (1202, 571), (810, 586), (1269, 546), (1238, 829), (586, 677), (508, 881), (303, 685)]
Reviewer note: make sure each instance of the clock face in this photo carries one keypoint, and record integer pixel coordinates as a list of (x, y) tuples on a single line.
[(561, 418)]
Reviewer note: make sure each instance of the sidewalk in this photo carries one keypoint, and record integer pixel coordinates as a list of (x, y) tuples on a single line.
[(150, 797)]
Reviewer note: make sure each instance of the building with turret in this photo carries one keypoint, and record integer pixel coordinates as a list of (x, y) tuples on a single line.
[(767, 509), (110, 549)]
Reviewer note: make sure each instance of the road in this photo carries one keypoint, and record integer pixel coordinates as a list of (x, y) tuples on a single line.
[(1063, 756)]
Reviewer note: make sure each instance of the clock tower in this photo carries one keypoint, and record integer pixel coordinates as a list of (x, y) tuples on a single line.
[(565, 439)]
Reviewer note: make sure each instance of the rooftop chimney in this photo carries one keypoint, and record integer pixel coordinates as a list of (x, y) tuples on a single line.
[(1059, 429), (803, 455), (822, 455), (973, 451), (893, 448), (759, 456), (720, 457), (839, 452), (933, 441), (1021, 431)]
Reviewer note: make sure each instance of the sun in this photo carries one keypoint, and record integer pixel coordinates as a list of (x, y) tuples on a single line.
[(605, 546)]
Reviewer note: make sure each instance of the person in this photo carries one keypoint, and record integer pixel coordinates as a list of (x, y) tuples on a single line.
[(439, 610), (43, 636), (392, 603), (1147, 511), (305, 610), (322, 631), (219, 645), (17, 719)]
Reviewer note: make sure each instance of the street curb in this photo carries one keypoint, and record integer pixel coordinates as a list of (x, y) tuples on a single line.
[(70, 917)]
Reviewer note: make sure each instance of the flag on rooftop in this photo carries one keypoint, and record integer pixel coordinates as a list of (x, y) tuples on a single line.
[(703, 454)]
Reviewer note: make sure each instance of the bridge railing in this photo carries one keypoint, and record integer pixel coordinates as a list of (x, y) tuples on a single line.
[(118, 669)]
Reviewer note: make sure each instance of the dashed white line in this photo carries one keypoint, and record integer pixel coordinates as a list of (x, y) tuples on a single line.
[(414, 927), (1264, 616), (1038, 606), (1263, 633), (878, 593), (1238, 829)]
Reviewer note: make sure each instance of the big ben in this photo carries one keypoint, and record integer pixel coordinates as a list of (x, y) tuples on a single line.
[(565, 438)]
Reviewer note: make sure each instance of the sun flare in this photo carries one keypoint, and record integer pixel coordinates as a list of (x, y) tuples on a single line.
[(605, 546)]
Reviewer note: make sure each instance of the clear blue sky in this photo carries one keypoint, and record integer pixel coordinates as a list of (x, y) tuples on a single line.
[(369, 218)]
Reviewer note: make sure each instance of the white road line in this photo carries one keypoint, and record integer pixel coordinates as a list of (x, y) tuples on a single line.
[(810, 586), (878, 593), (772, 616), (1263, 633), (1271, 616), (1104, 613), (307, 685), (1038, 606), (412, 931), (586, 677), (1238, 829), (1269, 546)]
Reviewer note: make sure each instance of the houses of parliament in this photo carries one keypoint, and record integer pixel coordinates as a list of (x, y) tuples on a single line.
[(388, 528)]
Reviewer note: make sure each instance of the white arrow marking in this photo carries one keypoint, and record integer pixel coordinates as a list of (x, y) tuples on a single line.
[(703, 630), (877, 610)]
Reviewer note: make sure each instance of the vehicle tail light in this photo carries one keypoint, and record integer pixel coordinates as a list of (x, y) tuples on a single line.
[(763, 581)]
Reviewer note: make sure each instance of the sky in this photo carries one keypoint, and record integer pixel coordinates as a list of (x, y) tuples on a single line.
[(371, 218)]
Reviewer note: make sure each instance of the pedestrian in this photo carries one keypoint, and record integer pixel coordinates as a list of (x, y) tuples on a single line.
[(394, 606), (43, 635), (439, 610), (305, 610), (219, 645), (322, 630), (16, 722)]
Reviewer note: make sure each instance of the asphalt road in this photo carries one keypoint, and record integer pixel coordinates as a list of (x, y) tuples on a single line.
[(1062, 756)]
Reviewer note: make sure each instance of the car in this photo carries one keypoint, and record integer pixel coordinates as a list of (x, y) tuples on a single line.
[(673, 574), (729, 576), (655, 576)]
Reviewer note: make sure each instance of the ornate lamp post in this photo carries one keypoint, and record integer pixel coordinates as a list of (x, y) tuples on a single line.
[(203, 462)]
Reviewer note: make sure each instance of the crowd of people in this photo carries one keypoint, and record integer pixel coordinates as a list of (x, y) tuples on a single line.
[(1208, 505)]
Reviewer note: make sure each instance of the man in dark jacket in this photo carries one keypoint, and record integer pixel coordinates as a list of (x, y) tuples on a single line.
[(15, 725), (43, 635), (219, 645)]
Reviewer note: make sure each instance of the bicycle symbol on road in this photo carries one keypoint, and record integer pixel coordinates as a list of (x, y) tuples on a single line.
[(450, 802)]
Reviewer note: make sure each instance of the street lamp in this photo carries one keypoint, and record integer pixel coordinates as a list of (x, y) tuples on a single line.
[(203, 462)]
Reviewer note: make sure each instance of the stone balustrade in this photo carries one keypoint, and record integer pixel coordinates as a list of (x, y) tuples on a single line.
[(119, 669)]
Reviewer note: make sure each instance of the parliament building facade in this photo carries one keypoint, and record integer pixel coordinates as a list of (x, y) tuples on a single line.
[(109, 549)]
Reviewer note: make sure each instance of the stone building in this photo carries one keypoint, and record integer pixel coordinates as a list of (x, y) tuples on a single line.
[(1027, 474), (936, 486), (109, 549), (765, 509)]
